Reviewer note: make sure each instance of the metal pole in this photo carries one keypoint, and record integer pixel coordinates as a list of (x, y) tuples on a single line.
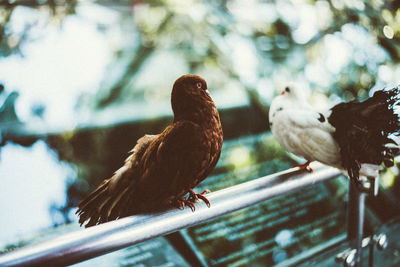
[(355, 217), (98, 240), (358, 190)]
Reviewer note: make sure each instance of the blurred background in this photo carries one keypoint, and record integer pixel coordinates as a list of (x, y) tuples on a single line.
[(81, 81)]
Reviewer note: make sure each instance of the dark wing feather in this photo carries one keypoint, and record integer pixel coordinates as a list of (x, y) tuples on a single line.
[(363, 130), (175, 162), (99, 205), (159, 171)]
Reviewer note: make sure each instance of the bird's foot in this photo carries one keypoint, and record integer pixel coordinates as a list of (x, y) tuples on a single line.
[(193, 196), (182, 202), (305, 166), (191, 199)]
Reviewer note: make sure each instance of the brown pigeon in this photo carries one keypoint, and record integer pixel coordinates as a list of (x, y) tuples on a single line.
[(163, 168)]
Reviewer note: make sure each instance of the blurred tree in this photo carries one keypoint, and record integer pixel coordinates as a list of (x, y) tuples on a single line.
[(10, 41), (7, 109)]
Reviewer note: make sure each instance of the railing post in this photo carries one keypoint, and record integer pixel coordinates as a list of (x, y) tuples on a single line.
[(358, 190), (355, 220)]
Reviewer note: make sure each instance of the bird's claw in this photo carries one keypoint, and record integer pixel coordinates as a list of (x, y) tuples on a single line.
[(181, 203), (193, 196), (191, 199), (190, 204), (305, 166)]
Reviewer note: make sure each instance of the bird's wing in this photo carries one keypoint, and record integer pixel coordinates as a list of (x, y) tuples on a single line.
[(172, 164), (182, 155), (306, 133), (100, 203), (306, 118)]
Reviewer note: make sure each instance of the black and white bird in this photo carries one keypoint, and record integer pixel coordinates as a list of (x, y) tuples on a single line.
[(355, 136)]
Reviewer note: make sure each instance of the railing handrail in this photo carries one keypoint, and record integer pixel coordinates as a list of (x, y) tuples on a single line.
[(101, 239)]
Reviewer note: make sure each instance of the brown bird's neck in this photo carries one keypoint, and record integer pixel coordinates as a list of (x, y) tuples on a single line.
[(204, 114)]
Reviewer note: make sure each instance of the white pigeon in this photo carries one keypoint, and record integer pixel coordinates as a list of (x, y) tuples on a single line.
[(353, 136)]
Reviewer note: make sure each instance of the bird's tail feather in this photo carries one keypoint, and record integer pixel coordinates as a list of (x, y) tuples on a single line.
[(115, 196), (102, 205), (365, 131), (88, 208)]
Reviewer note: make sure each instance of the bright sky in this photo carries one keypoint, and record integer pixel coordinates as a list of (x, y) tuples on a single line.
[(27, 190), (57, 67)]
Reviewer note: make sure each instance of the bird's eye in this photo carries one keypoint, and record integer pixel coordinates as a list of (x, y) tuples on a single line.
[(287, 89), (199, 85)]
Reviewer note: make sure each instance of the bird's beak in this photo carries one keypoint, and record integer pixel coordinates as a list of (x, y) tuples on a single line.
[(282, 93), (207, 92)]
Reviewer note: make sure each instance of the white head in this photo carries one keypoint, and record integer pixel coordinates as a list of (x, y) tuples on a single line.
[(290, 97), (294, 93)]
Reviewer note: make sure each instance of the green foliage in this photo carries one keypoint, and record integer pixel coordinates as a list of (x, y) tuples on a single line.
[(11, 39)]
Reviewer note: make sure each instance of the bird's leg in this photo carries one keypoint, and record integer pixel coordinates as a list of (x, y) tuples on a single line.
[(193, 196), (305, 166)]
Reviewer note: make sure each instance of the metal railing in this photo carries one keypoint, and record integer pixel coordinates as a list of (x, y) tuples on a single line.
[(98, 240)]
